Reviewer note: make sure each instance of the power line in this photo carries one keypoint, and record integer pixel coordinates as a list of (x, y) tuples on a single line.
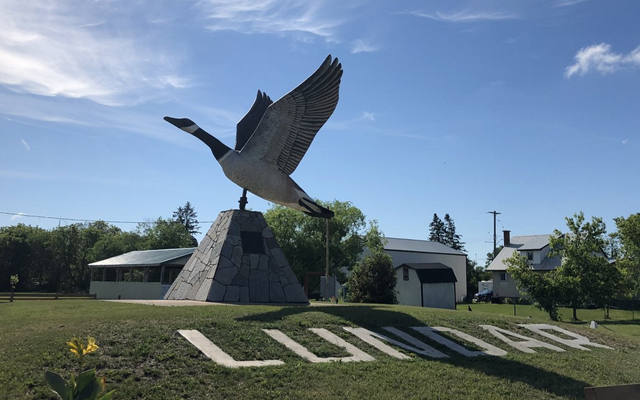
[(78, 219)]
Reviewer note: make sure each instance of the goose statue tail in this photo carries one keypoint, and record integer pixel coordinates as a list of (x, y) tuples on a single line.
[(314, 209)]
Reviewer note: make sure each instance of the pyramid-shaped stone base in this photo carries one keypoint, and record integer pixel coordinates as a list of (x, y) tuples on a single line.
[(238, 261)]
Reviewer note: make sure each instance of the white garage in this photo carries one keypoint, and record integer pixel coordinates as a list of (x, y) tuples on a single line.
[(426, 285)]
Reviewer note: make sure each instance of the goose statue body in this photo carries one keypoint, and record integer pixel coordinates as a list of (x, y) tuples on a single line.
[(272, 138)]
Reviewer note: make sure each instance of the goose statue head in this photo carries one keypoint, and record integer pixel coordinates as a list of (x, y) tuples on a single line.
[(272, 138)]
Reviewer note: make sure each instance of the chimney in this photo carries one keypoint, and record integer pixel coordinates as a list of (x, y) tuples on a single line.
[(507, 238)]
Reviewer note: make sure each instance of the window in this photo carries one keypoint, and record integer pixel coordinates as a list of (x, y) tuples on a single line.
[(503, 276), (405, 273), (530, 255)]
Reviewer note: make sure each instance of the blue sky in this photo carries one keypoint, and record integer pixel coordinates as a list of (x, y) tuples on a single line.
[(530, 108)]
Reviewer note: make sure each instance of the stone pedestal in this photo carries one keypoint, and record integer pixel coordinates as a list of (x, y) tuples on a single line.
[(238, 261)]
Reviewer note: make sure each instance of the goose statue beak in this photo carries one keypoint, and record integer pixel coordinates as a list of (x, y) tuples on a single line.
[(185, 124)]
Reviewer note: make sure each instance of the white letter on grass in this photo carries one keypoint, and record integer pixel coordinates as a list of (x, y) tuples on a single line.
[(525, 345), (218, 355), (372, 338), (431, 333), (426, 349), (356, 354), (575, 343)]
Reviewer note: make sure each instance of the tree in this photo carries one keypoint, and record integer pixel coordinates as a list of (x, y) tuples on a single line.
[(14, 282), (373, 279), (492, 255), (67, 247), (112, 245), (24, 251), (163, 234), (585, 273), (542, 287), (628, 257), (436, 230), (302, 238), (452, 239), (187, 217), (57, 260), (445, 232)]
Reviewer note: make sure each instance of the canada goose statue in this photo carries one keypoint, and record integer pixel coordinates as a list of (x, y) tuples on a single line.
[(272, 138)]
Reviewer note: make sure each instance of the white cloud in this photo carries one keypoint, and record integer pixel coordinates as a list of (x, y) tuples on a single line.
[(26, 145), (467, 16), (368, 116), (633, 57), (69, 114), (625, 141), (353, 122), (599, 57), (362, 46), (80, 49), (565, 3), (272, 17)]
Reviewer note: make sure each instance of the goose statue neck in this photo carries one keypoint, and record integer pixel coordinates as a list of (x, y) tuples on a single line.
[(218, 148)]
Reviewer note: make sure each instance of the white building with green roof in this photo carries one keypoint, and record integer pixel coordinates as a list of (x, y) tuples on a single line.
[(144, 274)]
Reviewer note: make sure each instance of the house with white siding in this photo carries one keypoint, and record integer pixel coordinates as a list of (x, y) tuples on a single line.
[(534, 247)]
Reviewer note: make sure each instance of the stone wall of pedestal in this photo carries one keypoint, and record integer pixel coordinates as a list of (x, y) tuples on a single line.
[(238, 261)]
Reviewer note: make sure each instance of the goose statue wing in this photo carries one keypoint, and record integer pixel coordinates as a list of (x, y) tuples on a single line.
[(250, 121), (289, 125)]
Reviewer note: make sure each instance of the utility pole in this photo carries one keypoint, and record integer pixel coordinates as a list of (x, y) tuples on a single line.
[(495, 214), (326, 274)]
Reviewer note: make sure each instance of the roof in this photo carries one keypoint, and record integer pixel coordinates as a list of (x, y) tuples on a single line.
[(525, 243), (419, 246), (537, 242), (432, 272), (147, 258)]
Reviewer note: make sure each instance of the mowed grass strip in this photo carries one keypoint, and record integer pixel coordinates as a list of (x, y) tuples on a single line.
[(142, 355), (621, 321)]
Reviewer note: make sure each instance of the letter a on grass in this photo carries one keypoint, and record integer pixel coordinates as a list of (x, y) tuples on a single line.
[(525, 345), (577, 342)]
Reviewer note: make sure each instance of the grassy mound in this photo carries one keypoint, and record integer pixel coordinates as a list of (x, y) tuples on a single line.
[(142, 356)]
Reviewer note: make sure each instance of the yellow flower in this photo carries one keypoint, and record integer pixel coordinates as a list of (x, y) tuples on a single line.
[(77, 347), (91, 345)]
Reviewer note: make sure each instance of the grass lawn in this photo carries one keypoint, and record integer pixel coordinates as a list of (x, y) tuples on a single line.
[(620, 321), (142, 356)]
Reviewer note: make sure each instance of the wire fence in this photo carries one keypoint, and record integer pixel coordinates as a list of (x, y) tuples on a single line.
[(617, 310)]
